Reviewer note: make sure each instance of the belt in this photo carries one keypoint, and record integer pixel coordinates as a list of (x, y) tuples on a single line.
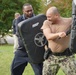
[(67, 52)]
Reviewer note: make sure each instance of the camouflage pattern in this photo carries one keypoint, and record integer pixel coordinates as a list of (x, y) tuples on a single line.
[(54, 63)]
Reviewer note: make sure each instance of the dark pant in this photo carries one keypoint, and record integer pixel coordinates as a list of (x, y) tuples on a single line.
[(20, 62)]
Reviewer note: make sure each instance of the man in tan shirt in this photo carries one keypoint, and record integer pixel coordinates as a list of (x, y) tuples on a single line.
[(54, 29), (16, 15)]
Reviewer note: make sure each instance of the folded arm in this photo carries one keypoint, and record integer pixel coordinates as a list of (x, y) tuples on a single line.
[(52, 36)]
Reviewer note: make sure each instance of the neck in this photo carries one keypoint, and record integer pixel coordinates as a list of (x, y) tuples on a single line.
[(58, 20)]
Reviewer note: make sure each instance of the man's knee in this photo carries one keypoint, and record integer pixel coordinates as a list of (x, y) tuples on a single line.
[(18, 70)]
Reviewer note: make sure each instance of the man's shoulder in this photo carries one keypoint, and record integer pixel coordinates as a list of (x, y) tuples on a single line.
[(47, 22), (21, 17), (13, 20), (69, 19)]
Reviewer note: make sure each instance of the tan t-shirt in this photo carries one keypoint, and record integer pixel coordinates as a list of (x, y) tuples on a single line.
[(58, 45)]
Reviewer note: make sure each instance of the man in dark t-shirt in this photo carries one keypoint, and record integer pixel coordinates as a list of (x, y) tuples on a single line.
[(20, 60)]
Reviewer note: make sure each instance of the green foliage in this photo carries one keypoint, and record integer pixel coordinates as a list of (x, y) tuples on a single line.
[(9, 7), (36, 5), (6, 57), (64, 6), (2, 28)]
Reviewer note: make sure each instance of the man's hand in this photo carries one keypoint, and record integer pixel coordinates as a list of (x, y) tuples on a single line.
[(62, 34)]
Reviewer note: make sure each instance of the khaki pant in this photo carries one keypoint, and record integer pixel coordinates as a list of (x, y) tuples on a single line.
[(15, 42), (54, 63)]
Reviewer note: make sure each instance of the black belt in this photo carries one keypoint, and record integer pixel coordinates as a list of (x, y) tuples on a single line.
[(67, 52)]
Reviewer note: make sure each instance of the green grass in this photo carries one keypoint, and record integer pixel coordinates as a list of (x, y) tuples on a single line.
[(6, 56)]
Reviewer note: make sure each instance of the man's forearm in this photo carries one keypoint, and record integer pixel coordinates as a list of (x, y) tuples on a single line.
[(53, 36)]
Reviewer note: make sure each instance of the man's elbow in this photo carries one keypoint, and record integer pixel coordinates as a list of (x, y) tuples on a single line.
[(48, 38)]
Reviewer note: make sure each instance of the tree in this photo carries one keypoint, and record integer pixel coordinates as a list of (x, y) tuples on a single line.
[(64, 6), (2, 28), (9, 7)]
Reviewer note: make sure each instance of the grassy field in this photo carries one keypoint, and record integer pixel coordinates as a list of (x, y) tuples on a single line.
[(6, 56)]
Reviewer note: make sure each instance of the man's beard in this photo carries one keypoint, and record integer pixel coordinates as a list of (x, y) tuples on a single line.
[(30, 15)]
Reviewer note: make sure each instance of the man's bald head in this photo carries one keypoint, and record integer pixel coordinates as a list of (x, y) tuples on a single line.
[(52, 10), (52, 14)]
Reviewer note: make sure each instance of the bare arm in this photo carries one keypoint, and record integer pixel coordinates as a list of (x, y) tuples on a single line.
[(47, 31), (52, 36)]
